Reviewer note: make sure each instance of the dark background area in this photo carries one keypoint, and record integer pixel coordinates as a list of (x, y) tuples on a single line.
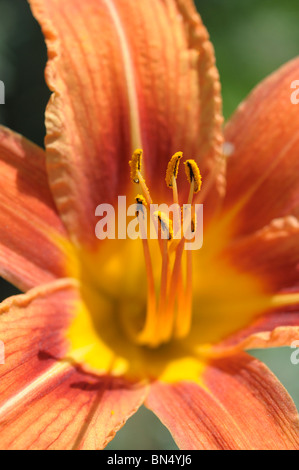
[(252, 38)]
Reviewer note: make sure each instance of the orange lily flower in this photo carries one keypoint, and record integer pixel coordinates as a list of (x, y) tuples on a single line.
[(99, 330)]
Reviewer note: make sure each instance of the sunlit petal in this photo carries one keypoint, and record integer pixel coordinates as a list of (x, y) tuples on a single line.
[(30, 226), (262, 177), (241, 406), (47, 402)]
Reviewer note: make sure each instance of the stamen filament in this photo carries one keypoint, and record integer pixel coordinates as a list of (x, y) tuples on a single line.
[(175, 191), (191, 192), (144, 188), (184, 317), (168, 317), (150, 326), (163, 293), (148, 333), (284, 300)]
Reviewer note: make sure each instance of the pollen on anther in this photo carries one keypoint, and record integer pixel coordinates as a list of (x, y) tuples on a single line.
[(135, 165), (193, 174), (173, 168), (165, 224), (141, 203), (193, 224), (140, 200)]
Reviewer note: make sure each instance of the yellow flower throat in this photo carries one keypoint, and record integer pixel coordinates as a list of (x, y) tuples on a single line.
[(169, 302)]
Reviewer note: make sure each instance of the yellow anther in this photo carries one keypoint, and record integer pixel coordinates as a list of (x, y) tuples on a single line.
[(165, 224), (173, 168), (135, 165), (193, 224), (140, 201), (193, 174)]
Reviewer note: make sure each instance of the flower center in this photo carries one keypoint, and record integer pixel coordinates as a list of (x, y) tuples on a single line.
[(169, 295)]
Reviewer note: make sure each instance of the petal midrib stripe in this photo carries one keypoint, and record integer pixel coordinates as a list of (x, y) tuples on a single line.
[(29, 391), (135, 129)]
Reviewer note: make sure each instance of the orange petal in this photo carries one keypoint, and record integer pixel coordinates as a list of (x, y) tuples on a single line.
[(264, 168), (256, 401), (272, 330), (241, 406), (46, 401), (125, 74), (271, 254), (196, 420), (28, 219)]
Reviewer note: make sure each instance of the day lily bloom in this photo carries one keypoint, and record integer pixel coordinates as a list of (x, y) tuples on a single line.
[(104, 326)]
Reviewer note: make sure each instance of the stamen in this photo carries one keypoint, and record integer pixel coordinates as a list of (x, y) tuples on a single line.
[(136, 175), (169, 311), (194, 224), (163, 293), (193, 174), (173, 168), (184, 317), (144, 188), (172, 173), (176, 278), (195, 180), (148, 332), (135, 165), (140, 201), (165, 224)]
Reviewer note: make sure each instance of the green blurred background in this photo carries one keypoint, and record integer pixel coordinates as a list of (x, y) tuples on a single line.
[(252, 38)]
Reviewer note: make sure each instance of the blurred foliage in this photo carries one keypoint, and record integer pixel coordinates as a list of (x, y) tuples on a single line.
[(252, 38), (22, 62)]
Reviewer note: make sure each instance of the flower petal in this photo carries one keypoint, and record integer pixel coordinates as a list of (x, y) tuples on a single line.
[(47, 402), (271, 254), (256, 401), (263, 170), (125, 74), (270, 259), (29, 254), (272, 330), (196, 420), (241, 405)]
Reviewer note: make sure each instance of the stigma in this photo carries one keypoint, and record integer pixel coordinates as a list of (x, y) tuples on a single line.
[(169, 296)]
